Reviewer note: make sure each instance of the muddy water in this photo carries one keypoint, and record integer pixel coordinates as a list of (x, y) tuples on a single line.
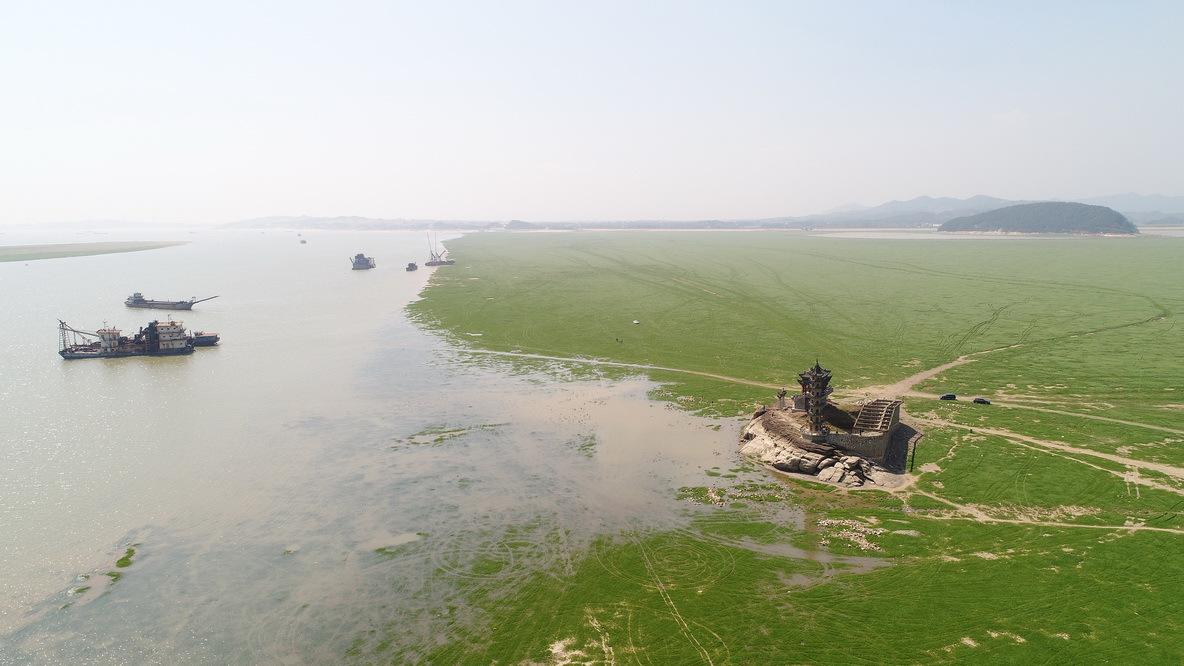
[(330, 469)]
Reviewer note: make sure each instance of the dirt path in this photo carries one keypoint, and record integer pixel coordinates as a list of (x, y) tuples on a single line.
[(619, 364), (902, 388), (1172, 471), (905, 386), (1063, 412), (1047, 410), (973, 513)]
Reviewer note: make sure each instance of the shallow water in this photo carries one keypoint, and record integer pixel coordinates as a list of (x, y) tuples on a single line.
[(327, 470)]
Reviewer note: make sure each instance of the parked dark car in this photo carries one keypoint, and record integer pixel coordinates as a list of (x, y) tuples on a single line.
[(981, 401), (948, 396)]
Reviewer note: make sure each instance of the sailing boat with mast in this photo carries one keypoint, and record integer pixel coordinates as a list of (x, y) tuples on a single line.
[(437, 257)]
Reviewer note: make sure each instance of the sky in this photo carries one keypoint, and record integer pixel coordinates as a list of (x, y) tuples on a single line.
[(210, 112)]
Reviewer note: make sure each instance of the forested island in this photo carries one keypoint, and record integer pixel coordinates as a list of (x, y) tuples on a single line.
[(1051, 217)]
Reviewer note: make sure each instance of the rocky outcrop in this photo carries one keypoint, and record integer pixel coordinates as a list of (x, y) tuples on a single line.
[(775, 447)]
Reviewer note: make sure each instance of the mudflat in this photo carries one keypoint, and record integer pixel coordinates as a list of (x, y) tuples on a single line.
[(59, 250), (1032, 528)]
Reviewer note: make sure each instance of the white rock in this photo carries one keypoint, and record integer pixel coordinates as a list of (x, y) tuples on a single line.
[(832, 474), (756, 447)]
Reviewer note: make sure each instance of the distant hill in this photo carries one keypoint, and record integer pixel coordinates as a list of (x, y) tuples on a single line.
[(1156, 219), (1139, 203), (1051, 217), (920, 212)]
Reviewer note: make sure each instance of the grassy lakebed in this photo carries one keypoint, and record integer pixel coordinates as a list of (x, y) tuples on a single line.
[(1047, 527), (62, 250)]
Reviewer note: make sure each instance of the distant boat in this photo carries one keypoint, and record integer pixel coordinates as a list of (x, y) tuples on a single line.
[(303, 242), (362, 263), (412, 267), (436, 257), (137, 300)]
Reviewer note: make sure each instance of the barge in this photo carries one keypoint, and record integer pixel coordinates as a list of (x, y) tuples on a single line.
[(137, 300)]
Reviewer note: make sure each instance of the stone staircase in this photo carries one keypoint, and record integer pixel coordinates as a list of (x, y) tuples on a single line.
[(877, 415)]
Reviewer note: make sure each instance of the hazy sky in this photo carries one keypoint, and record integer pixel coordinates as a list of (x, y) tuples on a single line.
[(216, 111)]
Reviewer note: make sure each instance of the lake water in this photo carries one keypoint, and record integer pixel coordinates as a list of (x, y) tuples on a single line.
[(259, 482)]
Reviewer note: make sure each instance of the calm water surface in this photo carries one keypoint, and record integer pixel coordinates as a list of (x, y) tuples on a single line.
[(257, 480)]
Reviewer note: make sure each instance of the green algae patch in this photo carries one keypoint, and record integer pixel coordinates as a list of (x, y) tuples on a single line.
[(126, 561), (587, 445), (439, 434), (391, 552)]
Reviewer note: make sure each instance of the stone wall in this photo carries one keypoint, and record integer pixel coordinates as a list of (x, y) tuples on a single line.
[(868, 446)]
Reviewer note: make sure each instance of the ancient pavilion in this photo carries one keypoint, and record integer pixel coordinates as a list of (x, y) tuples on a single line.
[(816, 388)]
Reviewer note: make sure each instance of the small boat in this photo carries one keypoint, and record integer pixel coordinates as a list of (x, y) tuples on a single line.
[(361, 262), (412, 267), (303, 242), (204, 339), (137, 300)]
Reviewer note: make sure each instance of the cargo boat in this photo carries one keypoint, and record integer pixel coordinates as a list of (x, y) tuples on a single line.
[(361, 262), (412, 267), (158, 338), (137, 300)]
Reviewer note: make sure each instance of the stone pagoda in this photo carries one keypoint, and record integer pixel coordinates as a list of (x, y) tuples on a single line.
[(816, 389)]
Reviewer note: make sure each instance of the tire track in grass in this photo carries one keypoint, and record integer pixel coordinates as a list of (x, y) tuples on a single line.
[(972, 513), (1047, 410), (1169, 470), (678, 618)]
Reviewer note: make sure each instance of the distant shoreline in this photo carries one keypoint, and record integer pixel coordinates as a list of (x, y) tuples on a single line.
[(62, 250)]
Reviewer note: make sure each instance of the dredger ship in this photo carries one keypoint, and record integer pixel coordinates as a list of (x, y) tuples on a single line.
[(158, 338)]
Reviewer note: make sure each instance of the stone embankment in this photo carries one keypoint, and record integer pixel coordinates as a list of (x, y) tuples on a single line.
[(799, 456)]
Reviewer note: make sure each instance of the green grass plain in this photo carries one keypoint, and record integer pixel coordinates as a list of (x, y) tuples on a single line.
[(62, 250), (1002, 551)]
